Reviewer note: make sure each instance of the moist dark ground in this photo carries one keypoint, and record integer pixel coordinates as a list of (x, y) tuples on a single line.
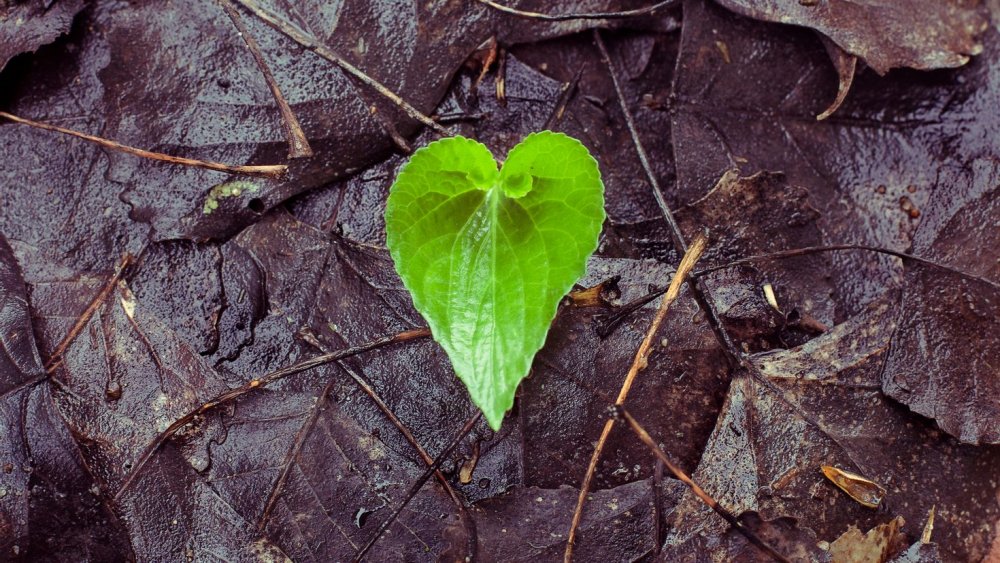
[(883, 366)]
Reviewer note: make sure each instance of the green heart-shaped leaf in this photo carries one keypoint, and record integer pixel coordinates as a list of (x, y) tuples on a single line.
[(487, 254)]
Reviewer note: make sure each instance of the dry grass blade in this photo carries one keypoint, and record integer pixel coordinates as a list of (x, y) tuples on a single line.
[(580, 16), (638, 364), (265, 170)]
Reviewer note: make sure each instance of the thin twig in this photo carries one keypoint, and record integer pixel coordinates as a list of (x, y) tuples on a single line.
[(729, 348), (782, 254), (470, 523), (412, 492), (697, 490), (298, 145), (56, 359), (567, 91), (231, 395), (306, 40), (638, 364), (580, 16), (608, 324), (668, 215), (265, 170)]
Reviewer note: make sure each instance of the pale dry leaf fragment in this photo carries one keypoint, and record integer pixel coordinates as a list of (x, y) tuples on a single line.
[(880, 544)]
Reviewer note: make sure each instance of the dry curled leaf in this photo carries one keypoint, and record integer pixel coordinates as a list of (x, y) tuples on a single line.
[(865, 491)]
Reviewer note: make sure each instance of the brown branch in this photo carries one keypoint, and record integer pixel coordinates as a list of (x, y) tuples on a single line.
[(298, 145), (580, 16), (307, 41), (265, 170), (231, 395), (412, 492), (638, 364), (697, 490)]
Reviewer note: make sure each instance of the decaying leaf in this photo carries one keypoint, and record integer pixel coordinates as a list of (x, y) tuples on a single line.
[(759, 214), (872, 170), (922, 34), (530, 524), (940, 364), (26, 26), (793, 540), (50, 507), (821, 404)]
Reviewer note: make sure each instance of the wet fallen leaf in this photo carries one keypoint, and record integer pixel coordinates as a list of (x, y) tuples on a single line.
[(923, 34), (788, 537), (528, 524), (820, 404), (49, 503), (864, 349), (893, 138), (26, 26)]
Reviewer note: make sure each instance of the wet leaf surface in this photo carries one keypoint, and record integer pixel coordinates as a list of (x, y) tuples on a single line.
[(922, 34), (795, 542), (820, 404), (881, 366), (213, 104), (50, 506), (26, 26), (620, 515)]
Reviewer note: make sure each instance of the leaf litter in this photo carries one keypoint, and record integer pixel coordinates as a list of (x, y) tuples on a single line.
[(906, 163)]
